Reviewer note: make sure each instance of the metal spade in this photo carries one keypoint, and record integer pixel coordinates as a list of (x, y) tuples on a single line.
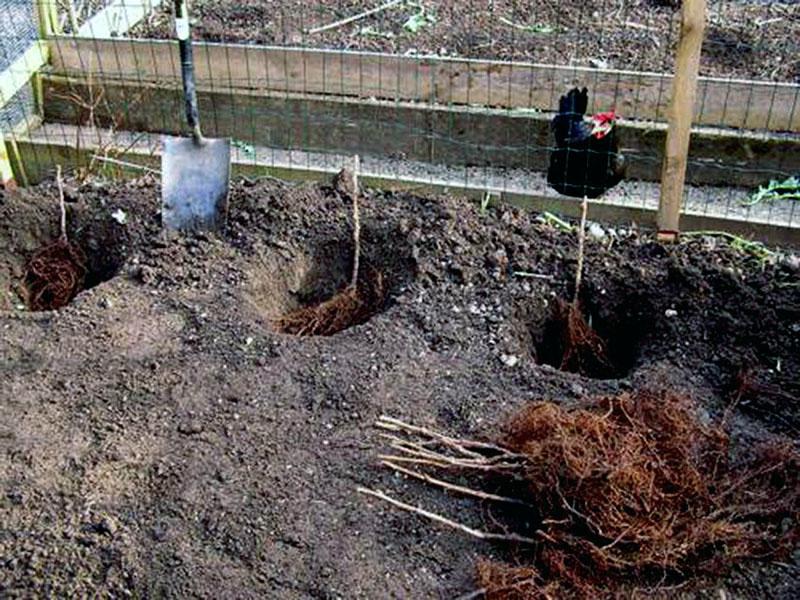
[(195, 171)]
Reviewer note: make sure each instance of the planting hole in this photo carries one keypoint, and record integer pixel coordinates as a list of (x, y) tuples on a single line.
[(598, 342), (41, 270), (59, 270), (54, 275), (309, 292)]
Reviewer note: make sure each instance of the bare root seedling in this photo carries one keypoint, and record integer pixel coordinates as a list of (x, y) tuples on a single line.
[(56, 272), (582, 349), (344, 309), (356, 302)]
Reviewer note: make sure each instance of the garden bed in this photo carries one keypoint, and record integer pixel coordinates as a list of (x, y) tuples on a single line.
[(159, 436), (744, 39)]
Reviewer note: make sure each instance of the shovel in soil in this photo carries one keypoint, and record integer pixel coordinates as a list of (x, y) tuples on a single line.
[(195, 171)]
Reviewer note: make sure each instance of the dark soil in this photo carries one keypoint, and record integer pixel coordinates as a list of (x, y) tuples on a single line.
[(745, 38), (158, 438)]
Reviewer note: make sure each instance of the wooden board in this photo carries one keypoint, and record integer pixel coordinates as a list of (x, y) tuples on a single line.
[(636, 95), (41, 150), (13, 79), (438, 134)]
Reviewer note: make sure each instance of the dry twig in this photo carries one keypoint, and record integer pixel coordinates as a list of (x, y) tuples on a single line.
[(483, 535), (581, 250), (356, 225), (453, 487), (61, 205), (354, 18), (390, 423)]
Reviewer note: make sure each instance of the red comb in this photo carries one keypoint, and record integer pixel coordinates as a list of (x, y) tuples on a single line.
[(604, 117)]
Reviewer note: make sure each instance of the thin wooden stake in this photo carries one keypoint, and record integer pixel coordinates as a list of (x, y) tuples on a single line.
[(61, 205), (72, 15), (581, 251), (356, 225), (684, 91), (48, 18), (6, 171)]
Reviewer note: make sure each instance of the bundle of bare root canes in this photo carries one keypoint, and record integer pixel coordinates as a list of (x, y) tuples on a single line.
[(357, 301), (633, 490), (56, 272)]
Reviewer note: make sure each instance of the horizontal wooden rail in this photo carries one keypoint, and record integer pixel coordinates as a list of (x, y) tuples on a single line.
[(451, 135), (42, 149), (637, 95)]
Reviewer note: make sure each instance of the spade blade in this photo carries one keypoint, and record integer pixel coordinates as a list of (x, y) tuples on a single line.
[(195, 177)]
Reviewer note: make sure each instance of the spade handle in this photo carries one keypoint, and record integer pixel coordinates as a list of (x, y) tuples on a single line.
[(184, 35)]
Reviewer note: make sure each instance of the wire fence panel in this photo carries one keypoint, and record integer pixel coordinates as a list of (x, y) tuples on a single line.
[(19, 33), (453, 94)]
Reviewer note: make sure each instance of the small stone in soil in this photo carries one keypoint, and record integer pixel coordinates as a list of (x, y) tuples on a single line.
[(509, 360), (159, 532), (190, 427)]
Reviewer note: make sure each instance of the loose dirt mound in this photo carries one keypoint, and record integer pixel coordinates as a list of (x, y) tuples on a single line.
[(160, 438)]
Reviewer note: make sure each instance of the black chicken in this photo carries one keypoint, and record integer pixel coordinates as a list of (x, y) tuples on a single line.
[(586, 160)]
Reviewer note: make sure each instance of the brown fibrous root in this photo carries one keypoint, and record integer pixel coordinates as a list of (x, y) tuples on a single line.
[(54, 275), (583, 350), (637, 487), (348, 307)]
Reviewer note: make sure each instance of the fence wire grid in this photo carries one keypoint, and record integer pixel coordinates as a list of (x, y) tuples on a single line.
[(451, 93)]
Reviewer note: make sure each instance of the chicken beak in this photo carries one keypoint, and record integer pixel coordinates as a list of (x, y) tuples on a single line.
[(600, 129)]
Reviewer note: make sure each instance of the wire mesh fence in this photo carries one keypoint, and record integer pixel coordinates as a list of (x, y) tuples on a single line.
[(449, 94), (19, 33)]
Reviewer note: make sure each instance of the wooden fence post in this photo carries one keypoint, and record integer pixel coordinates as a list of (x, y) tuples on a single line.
[(6, 171), (681, 112), (47, 13)]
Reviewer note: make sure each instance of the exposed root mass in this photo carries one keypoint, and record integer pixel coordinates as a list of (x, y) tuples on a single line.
[(349, 307), (583, 350), (54, 275)]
